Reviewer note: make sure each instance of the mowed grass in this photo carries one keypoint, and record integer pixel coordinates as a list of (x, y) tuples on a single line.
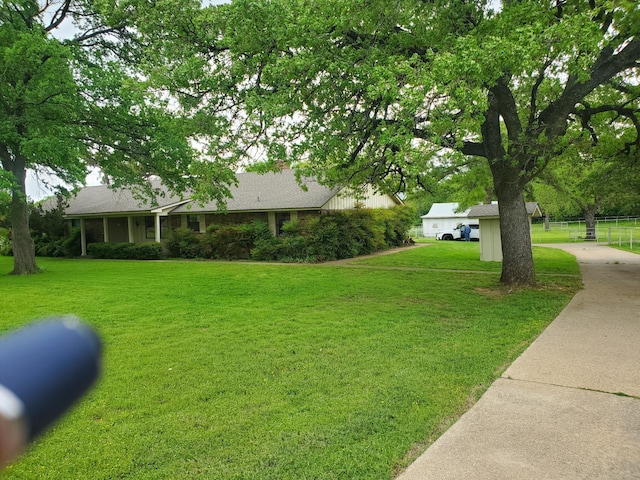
[(256, 371), (465, 256), (576, 231)]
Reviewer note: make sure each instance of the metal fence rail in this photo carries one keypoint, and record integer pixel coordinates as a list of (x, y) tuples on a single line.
[(586, 234), (624, 237), (600, 222), (416, 232)]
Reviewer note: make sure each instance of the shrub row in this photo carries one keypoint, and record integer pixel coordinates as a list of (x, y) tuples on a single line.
[(332, 236), (226, 242), (125, 251), (46, 246), (337, 235)]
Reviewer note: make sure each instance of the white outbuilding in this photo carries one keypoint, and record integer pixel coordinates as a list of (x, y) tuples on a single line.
[(489, 219), (443, 216)]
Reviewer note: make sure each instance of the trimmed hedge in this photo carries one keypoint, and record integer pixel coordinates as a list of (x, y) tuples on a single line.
[(228, 242), (331, 236), (184, 243), (231, 242), (338, 235), (125, 251)]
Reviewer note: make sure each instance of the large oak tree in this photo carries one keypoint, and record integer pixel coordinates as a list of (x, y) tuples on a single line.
[(384, 92), (80, 100)]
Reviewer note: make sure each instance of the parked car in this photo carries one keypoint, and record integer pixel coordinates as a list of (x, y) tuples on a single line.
[(456, 233)]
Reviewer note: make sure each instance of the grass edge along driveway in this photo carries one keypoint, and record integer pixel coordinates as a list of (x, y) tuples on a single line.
[(258, 371)]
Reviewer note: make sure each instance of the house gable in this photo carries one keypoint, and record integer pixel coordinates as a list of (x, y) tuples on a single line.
[(344, 200)]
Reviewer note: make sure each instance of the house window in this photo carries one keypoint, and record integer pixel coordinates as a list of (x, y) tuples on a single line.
[(164, 227), (193, 223), (281, 219), (149, 228)]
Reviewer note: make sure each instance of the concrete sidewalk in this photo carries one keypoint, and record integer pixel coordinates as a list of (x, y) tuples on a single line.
[(569, 406)]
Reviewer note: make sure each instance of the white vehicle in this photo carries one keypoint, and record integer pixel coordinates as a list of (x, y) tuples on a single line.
[(456, 233)]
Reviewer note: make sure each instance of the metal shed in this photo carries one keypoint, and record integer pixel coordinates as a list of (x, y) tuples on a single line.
[(489, 218)]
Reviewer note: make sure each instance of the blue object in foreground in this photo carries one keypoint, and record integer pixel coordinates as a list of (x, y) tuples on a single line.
[(44, 368)]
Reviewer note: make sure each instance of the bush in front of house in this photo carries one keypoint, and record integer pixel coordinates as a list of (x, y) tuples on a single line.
[(228, 242), (184, 243), (338, 235), (62, 247), (144, 251), (267, 249), (125, 251), (231, 242), (397, 223), (331, 236)]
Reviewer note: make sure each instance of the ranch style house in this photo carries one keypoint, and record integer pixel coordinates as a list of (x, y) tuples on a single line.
[(114, 215)]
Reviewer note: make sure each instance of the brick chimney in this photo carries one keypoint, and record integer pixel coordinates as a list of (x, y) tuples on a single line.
[(282, 165)]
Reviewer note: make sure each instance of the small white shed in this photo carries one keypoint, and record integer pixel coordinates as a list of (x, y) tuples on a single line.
[(489, 219), (442, 216)]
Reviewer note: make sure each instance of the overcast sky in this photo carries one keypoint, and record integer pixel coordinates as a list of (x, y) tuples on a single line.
[(36, 189)]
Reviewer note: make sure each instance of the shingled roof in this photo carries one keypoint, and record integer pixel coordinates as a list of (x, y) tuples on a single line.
[(254, 192), (101, 199), (269, 191), (491, 210)]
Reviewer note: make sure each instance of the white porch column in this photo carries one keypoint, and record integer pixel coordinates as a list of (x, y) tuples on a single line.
[(272, 223), (105, 229), (156, 224), (83, 238), (130, 229)]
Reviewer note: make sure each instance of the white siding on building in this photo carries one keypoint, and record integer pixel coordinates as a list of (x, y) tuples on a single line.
[(443, 216), (349, 202), (490, 240)]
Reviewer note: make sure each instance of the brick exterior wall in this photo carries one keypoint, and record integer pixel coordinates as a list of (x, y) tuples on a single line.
[(235, 218)]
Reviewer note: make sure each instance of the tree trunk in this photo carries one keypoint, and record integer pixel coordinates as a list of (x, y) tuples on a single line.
[(24, 255), (590, 221), (517, 255)]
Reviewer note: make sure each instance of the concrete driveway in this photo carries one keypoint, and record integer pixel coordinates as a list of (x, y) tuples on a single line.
[(569, 406)]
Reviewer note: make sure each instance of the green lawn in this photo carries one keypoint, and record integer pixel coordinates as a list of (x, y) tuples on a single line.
[(466, 256), (621, 231), (256, 371)]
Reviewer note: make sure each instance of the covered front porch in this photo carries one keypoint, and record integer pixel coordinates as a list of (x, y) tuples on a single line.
[(121, 229)]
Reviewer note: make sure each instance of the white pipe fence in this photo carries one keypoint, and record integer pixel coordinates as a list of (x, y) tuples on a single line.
[(565, 225), (624, 236)]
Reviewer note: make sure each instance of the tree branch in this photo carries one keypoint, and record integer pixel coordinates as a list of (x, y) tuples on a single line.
[(507, 108), (553, 119), (475, 149), (632, 114), (533, 103), (96, 33), (59, 16)]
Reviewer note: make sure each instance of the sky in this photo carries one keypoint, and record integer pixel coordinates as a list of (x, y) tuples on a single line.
[(36, 189)]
